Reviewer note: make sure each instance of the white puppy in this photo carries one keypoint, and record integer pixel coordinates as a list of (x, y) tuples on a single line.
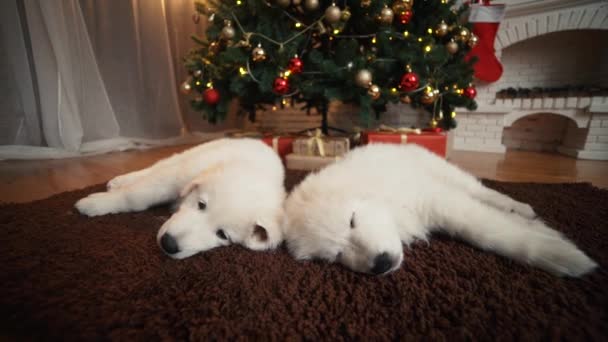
[(360, 210), (229, 191)]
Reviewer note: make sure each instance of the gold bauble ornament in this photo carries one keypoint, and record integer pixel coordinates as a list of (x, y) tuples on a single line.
[(185, 87), (345, 15), (333, 14), (428, 97), (433, 123), (366, 3), (452, 46), (363, 78), (398, 7), (214, 48), (258, 54), (386, 16), (473, 40), (442, 29), (463, 34), (283, 3), (405, 99), (311, 5), (374, 91)]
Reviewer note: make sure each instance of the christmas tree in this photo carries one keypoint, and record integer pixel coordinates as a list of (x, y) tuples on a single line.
[(311, 52)]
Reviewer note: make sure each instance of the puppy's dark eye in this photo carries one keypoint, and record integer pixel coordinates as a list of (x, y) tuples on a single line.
[(352, 221), (220, 233), (202, 205)]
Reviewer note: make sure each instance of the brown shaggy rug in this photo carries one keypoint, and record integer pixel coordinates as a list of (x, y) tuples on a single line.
[(65, 276)]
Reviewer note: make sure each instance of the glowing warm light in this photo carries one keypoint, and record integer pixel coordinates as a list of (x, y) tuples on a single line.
[(429, 30), (298, 25), (393, 90), (453, 114), (239, 2), (198, 83), (427, 49), (374, 40), (274, 108), (420, 39), (287, 73), (242, 71), (209, 85), (336, 31), (406, 34)]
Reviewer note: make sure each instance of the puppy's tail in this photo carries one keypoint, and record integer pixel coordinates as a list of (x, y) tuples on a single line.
[(510, 235)]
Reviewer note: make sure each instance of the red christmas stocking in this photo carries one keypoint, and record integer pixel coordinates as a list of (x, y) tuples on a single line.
[(485, 19)]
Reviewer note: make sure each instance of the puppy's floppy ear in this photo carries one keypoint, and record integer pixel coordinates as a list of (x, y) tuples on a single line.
[(260, 233), (188, 188), (202, 177)]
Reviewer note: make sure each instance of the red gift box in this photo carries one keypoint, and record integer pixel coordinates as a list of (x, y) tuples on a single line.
[(283, 145), (433, 141)]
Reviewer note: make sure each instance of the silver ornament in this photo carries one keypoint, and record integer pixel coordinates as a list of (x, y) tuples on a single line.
[(311, 5), (363, 78), (283, 3), (386, 16), (227, 32), (333, 14)]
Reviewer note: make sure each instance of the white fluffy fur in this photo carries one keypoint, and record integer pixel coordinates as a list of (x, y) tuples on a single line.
[(395, 194), (240, 180)]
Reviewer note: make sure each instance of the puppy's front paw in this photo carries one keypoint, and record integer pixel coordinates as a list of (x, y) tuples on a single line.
[(100, 203), (118, 182)]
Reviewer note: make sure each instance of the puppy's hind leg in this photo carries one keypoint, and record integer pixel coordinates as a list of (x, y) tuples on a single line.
[(452, 175), (148, 191), (509, 235)]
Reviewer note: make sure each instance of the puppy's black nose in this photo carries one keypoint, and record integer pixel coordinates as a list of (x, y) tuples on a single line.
[(168, 244), (382, 263)]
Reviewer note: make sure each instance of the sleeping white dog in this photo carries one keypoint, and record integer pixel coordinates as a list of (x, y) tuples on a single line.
[(360, 210), (228, 190)]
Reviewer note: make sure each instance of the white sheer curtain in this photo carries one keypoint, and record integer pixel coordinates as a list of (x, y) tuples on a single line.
[(87, 76)]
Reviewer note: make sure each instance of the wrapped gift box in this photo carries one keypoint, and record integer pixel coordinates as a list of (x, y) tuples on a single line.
[(308, 163), (283, 145), (433, 141), (331, 146)]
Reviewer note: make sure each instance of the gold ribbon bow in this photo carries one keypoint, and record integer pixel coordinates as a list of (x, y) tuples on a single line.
[(316, 137), (403, 130)]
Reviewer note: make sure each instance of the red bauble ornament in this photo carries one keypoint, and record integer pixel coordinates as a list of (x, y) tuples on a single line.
[(296, 65), (405, 16), (409, 82), (281, 85), (211, 96), (470, 92)]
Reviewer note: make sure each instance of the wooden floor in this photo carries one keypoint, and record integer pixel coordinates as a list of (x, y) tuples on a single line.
[(24, 181)]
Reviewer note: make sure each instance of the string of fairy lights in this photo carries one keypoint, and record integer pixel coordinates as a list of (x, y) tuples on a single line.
[(335, 17)]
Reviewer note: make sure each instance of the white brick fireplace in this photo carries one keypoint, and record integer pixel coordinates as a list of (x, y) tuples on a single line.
[(546, 44)]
